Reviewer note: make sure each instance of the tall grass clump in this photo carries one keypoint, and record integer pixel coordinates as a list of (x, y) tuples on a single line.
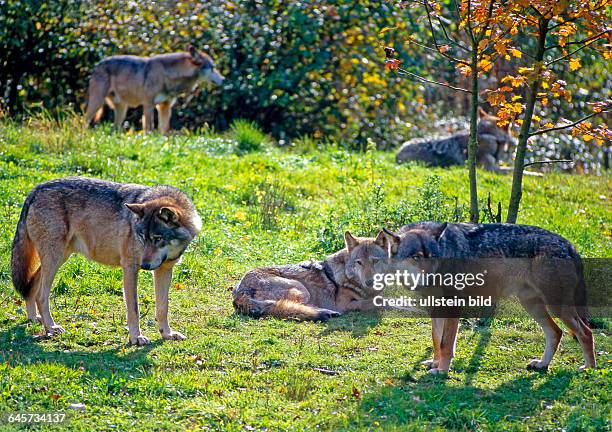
[(248, 136)]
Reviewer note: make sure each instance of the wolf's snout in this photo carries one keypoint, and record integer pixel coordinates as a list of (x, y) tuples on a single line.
[(146, 266)]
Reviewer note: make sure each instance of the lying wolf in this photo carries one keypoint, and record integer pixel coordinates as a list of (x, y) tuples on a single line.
[(315, 291), (449, 151), (539, 267), (130, 81), (127, 225)]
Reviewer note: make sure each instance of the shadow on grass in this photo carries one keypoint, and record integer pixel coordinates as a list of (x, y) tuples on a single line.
[(463, 405), (358, 323), (18, 347), (436, 400)]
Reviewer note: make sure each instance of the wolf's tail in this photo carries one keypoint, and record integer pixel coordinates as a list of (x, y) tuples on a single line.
[(278, 308), (24, 256), (99, 85)]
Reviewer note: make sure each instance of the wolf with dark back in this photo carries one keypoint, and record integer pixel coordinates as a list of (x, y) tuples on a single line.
[(124, 225), (541, 268), (493, 141), (316, 291), (153, 82)]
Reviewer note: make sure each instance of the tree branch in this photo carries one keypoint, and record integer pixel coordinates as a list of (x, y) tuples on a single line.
[(428, 48), (571, 53), (483, 31), (569, 125), (602, 5), (590, 38), (435, 41), (448, 38), (420, 78)]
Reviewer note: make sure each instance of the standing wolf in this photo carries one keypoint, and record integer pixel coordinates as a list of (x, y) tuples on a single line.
[(130, 81), (127, 225), (316, 290), (539, 267), (449, 151)]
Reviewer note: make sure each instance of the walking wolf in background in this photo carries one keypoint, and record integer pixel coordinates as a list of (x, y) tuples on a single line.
[(541, 268), (316, 290), (126, 225), (493, 141), (130, 81)]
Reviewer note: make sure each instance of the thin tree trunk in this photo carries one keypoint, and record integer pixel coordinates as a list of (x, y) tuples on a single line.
[(521, 148), (473, 141)]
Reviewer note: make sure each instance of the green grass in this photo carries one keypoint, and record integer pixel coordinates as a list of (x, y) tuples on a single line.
[(234, 373)]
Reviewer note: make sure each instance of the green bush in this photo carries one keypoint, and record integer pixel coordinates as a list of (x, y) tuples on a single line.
[(295, 68), (370, 213), (247, 135)]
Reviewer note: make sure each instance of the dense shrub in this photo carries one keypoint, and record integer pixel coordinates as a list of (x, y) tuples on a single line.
[(295, 68)]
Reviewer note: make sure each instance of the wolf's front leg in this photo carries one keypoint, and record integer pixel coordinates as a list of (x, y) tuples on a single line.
[(161, 279), (447, 346), (130, 295)]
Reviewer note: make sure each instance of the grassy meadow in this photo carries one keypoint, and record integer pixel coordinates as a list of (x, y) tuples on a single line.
[(262, 205)]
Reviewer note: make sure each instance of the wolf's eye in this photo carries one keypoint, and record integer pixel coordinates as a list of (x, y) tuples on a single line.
[(417, 257), (375, 260), (358, 262)]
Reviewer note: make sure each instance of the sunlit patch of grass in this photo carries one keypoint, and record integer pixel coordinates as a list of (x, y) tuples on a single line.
[(236, 373)]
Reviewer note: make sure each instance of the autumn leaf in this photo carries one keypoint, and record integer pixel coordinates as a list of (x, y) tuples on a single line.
[(464, 69), (485, 65), (549, 125), (443, 48), (516, 53), (574, 64), (392, 64), (587, 137), (386, 29)]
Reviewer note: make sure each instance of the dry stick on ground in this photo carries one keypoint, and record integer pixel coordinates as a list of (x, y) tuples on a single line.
[(494, 217), (548, 162)]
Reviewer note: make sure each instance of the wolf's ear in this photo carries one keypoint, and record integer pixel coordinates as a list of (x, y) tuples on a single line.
[(439, 230), (167, 215), (196, 57), (137, 209), (351, 242), (392, 240)]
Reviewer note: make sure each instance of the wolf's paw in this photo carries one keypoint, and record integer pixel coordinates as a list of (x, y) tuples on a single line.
[(430, 364), (436, 371), (536, 364), (54, 330), (325, 314), (139, 340), (173, 335), (585, 367)]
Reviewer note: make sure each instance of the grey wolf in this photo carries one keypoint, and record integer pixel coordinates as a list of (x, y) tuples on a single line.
[(126, 225), (316, 291), (448, 151), (130, 81), (539, 267)]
